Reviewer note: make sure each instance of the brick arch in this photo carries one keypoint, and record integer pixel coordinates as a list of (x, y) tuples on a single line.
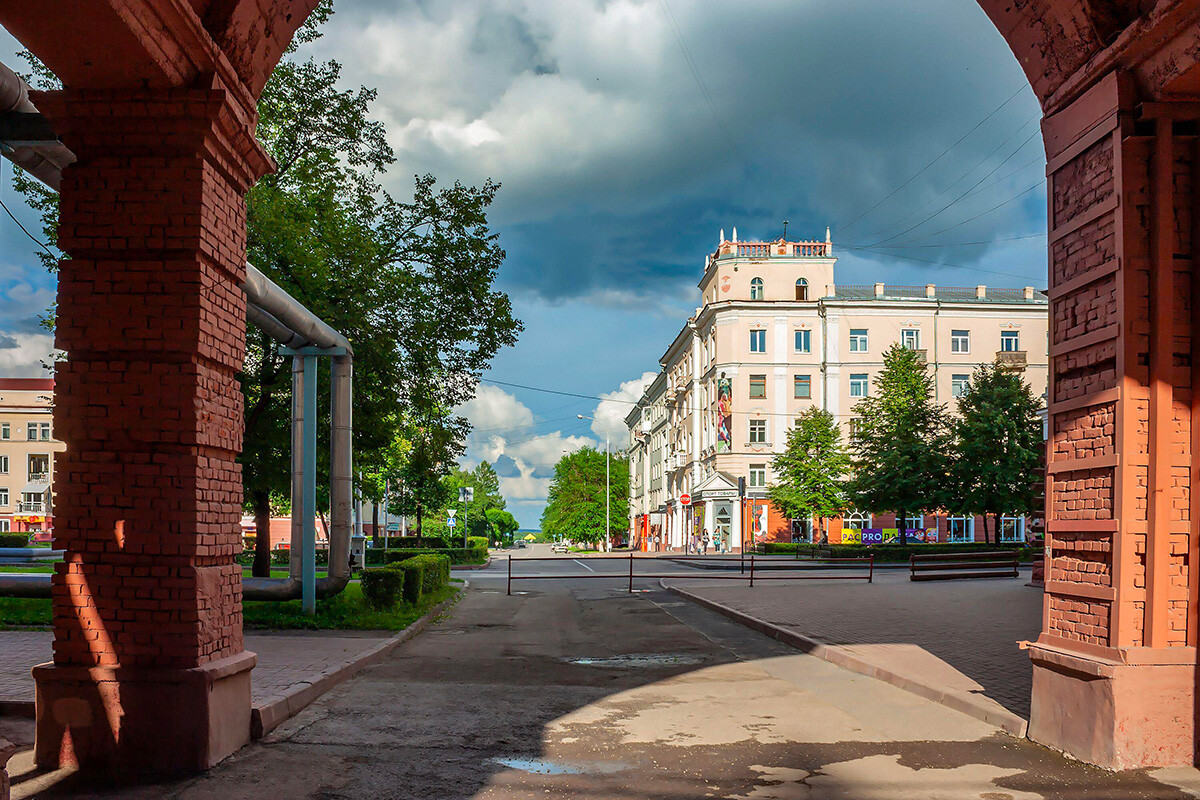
[(159, 107)]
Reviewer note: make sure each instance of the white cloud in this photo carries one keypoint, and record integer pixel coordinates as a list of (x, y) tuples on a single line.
[(26, 355), (609, 417)]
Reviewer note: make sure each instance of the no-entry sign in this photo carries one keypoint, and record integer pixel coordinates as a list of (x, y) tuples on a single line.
[(685, 499)]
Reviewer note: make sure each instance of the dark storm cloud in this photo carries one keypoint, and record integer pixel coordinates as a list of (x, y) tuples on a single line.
[(618, 172)]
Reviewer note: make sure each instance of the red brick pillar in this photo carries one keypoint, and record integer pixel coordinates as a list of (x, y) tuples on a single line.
[(1115, 666), (149, 673)]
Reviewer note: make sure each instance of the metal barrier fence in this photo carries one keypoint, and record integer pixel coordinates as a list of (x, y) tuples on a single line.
[(750, 568), (952, 566)]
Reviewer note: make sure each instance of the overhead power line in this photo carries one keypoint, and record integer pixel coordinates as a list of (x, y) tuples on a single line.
[(940, 156)]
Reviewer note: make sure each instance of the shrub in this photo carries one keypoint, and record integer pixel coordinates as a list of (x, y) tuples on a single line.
[(476, 542), (457, 555), (412, 577), (422, 542), (435, 570), (897, 552), (14, 539), (375, 556), (382, 587), (281, 556)]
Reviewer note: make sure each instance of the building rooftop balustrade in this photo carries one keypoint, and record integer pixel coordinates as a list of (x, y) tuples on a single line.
[(947, 294)]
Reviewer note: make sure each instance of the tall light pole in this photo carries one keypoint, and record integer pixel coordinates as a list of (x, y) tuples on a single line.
[(607, 484)]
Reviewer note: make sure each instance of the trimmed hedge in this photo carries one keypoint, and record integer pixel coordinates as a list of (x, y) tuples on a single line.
[(407, 579), (382, 587), (14, 539), (476, 542), (898, 552), (421, 543), (456, 555)]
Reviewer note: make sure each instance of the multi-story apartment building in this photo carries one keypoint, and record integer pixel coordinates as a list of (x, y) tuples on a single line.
[(27, 448), (774, 336)]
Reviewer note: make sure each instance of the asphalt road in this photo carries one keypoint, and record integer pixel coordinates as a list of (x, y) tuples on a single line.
[(579, 689)]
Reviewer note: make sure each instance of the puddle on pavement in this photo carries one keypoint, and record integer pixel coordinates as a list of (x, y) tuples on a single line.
[(538, 766), (634, 661)]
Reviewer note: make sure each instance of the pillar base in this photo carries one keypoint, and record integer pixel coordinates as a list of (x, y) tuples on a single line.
[(1113, 714), (129, 725)]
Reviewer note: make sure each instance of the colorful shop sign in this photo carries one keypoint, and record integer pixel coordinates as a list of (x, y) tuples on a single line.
[(887, 535)]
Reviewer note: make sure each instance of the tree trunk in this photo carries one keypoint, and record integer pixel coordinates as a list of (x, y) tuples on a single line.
[(902, 526), (261, 500), (420, 514), (376, 539)]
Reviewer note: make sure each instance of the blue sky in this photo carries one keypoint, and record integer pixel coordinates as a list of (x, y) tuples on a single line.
[(627, 133)]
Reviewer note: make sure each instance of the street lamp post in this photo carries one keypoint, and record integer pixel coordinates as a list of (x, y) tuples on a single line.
[(607, 484)]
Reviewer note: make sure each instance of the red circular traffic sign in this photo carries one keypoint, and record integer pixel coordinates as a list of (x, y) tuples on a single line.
[(685, 499)]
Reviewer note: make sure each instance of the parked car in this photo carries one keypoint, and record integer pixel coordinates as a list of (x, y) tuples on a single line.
[(521, 543)]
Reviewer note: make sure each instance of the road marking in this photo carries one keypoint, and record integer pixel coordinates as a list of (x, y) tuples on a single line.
[(585, 566)]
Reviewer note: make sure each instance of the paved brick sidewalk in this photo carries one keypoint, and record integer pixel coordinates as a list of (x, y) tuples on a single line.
[(284, 659), (972, 625)]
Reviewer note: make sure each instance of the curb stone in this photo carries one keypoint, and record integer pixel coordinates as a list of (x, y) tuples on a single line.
[(271, 712), (963, 702)]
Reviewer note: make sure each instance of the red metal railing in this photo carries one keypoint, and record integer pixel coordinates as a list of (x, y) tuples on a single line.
[(750, 568)]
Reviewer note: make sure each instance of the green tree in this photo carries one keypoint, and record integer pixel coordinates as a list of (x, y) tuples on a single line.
[(997, 446), (503, 525), (575, 505), (485, 484), (901, 442), (812, 470)]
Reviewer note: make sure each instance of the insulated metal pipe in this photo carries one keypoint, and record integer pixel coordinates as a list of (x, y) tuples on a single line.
[(297, 454), (42, 160), (341, 466)]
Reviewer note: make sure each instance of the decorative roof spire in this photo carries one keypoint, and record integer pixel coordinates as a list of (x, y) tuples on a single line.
[(828, 238), (722, 241), (735, 233)]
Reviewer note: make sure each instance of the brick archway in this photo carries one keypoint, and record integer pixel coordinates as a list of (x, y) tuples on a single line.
[(149, 673)]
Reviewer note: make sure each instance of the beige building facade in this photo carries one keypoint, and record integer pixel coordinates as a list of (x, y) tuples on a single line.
[(776, 335), (27, 448)]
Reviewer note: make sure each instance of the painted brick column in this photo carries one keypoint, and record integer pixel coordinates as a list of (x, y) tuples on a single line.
[(149, 673), (1115, 665)]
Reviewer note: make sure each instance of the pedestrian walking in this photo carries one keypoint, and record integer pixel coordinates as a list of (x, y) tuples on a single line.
[(704, 542)]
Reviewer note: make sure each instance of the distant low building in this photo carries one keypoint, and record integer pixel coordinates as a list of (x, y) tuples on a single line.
[(27, 448), (774, 336)]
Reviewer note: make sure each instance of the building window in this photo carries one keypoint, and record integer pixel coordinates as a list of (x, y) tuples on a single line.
[(855, 430), (756, 289), (31, 502), (914, 523), (858, 385), (38, 431), (758, 476), (959, 384), (962, 529), (803, 386), (758, 387), (3, 465), (910, 339), (758, 341), (857, 520), (1010, 341), (3, 498), (1012, 529), (758, 431), (39, 467), (960, 341), (803, 341), (5, 525), (5, 430), (802, 289), (858, 340)]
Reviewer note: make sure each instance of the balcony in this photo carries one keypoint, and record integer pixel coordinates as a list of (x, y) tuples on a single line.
[(39, 476), (31, 508), (1012, 359)]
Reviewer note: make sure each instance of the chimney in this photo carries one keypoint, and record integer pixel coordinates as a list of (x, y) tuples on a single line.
[(879, 290), (981, 292), (1028, 292), (930, 290)]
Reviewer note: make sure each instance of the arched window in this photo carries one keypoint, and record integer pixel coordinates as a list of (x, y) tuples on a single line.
[(856, 520), (756, 289), (802, 289)]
